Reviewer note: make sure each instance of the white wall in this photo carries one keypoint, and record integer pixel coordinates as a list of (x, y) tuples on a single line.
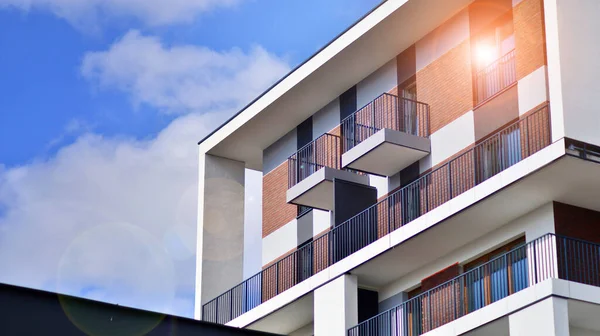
[(252, 223), (279, 242), (279, 151), (220, 234), (583, 332), (443, 39), (532, 225), (380, 81), (449, 140), (549, 317), (326, 118), (336, 306), (578, 73), (321, 221), (532, 90)]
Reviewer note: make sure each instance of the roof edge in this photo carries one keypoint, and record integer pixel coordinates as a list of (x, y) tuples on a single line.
[(291, 72)]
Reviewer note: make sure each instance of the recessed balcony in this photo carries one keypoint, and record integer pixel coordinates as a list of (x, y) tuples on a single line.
[(387, 135), (311, 172), (548, 257)]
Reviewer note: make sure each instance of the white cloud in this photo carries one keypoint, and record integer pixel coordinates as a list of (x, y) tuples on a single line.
[(114, 218), (176, 79), (88, 13)]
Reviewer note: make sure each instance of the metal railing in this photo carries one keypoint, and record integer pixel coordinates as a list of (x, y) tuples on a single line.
[(386, 111), (549, 256), (496, 77), (324, 151), (498, 152)]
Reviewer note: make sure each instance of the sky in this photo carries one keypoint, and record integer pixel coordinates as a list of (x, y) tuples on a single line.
[(102, 104)]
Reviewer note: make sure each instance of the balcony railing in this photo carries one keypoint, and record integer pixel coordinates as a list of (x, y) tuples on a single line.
[(386, 111), (549, 256), (324, 151), (496, 77), (500, 151)]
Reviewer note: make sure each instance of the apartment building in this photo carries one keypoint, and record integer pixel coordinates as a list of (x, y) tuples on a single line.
[(433, 170)]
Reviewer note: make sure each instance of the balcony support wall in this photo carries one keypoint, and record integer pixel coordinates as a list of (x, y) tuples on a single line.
[(336, 306), (549, 317), (220, 235)]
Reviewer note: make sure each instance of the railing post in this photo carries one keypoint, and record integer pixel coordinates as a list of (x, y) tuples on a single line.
[(373, 124), (450, 179), (566, 262), (277, 278), (231, 304)]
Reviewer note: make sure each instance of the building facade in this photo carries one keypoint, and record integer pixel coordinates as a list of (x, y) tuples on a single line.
[(433, 170)]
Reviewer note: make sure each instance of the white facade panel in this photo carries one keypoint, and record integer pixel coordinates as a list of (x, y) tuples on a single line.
[(252, 223), (326, 118), (549, 317), (578, 27), (336, 306), (220, 231), (280, 151), (449, 140), (532, 90), (321, 221), (279, 242), (380, 81)]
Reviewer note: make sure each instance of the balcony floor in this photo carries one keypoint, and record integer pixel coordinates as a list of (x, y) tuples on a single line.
[(386, 152), (316, 191)]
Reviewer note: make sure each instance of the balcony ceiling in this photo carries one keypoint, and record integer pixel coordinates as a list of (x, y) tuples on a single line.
[(380, 36)]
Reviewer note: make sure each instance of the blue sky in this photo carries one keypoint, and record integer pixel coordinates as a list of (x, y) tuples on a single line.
[(102, 103)]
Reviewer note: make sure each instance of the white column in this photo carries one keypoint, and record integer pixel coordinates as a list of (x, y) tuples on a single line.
[(549, 317), (541, 249), (336, 306), (220, 231)]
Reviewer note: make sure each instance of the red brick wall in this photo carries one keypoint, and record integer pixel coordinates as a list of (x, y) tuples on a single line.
[(446, 85), (276, 211), (438, 306), (530, 38)]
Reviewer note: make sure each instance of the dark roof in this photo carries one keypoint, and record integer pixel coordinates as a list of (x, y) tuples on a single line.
[(26, 311)]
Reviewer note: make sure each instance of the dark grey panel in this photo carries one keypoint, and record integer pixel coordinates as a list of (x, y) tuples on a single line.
[(350, 199), (368, 304), (304, 133), (392, 302), (348, 103)]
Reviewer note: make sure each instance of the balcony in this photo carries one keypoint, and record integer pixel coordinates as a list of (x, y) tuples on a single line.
[(547, 257), (312, 169), (496, 77), (387, 135), (498, 152)]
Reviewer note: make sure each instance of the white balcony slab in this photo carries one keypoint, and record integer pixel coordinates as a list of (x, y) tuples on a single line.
[(386, 152), (316, 191)]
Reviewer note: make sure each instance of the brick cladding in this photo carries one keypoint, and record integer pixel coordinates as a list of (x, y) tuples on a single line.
[(446, 85), (276, 211), (528, 19)]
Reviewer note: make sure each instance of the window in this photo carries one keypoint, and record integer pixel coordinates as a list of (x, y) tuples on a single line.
[(304, 261), (408, 108), (496, 275), (494, 59), (499, 153)]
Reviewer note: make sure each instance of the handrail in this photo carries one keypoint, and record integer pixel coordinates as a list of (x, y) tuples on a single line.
[(495, 77), (549, 256), (386, 111), (324, 151), (500, 151)]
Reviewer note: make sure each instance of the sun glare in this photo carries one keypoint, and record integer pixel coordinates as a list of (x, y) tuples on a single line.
[(485, 54)]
